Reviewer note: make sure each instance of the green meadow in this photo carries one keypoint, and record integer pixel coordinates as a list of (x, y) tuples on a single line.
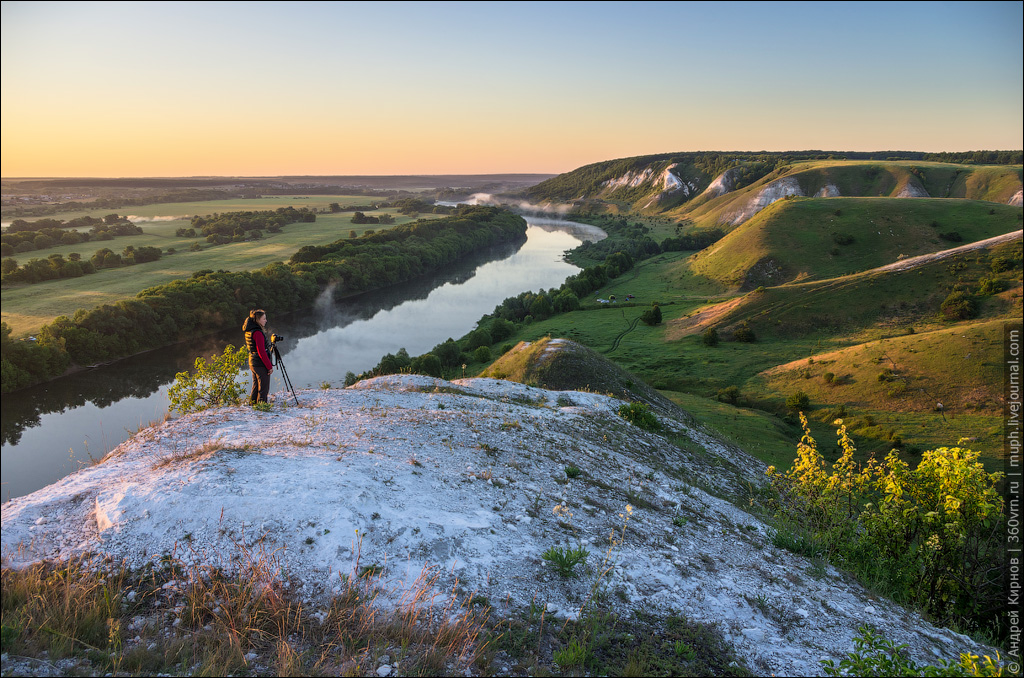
[(829, 339), (27, 308)]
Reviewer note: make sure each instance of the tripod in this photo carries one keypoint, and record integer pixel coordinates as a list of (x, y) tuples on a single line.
[(284, 373)]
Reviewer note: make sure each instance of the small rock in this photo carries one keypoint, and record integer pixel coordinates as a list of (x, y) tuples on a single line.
[(41, 520), (552, 608), (869, 609), (802, 612), (384, 671), (754, 634)]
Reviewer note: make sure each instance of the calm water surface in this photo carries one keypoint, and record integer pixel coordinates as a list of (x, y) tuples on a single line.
[(52, 430)]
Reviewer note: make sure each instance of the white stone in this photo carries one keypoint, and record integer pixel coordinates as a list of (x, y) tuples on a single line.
[(384, 671)]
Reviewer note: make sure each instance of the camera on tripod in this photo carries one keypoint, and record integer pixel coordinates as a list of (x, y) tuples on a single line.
[(274, 338)]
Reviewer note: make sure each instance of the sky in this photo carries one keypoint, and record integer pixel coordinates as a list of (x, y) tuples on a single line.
[(118, 89)]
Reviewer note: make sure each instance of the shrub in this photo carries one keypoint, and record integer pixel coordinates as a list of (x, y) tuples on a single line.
[(729, 394), (213, 384), (932, 535), (959, 305), (710, 337), (640, 415), (798, 401), (744, 333), (652, 316), (990, 286), (874, 655), (482, 354)]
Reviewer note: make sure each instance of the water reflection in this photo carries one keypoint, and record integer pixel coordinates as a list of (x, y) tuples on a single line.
[(50, 430)]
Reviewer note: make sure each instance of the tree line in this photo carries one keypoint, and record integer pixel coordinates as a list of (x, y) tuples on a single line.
[(23, 236), (56, 266), (211, 300)]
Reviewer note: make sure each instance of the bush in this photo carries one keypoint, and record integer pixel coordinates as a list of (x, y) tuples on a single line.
[(710, 337), (931, 535), (798, 402), (744, 333), (482, 354), (213, 384), (959, 305), (729, 394), (640, 415), (652, 316)]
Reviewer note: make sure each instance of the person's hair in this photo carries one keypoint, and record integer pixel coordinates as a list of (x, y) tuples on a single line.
[(257, 314)]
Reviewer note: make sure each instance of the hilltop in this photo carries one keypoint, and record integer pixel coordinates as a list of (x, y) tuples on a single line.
[(716, 189), (455, 489)]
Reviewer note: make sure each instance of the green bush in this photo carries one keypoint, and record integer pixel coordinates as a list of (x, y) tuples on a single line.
[(932, 535), (798, 401), (874, 655), (213, 384), (640, 415), (959, 305), (744, 333), (710, 337)]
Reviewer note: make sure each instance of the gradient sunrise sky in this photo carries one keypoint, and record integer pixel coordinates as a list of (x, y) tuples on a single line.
[(269, 88)]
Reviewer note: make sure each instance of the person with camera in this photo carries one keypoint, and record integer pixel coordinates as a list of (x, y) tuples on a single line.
[(259, 355)]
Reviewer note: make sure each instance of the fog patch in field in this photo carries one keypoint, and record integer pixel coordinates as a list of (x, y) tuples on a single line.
[(133, 218)]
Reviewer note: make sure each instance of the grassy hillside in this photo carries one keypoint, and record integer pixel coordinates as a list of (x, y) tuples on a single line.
[(848, 326), (815, 238), (637, 184), (869, 179)]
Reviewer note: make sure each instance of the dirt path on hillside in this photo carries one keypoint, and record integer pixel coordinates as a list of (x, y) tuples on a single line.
[(914, 262), (698, 322), (707, 317)]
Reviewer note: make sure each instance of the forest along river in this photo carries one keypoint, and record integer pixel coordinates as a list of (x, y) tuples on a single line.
[(54, 429)]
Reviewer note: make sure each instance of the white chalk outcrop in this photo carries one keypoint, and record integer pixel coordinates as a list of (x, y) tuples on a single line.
[(461, 479), (1018, 199), (723, 183), (912, 189), (775, 191), (828, 191)]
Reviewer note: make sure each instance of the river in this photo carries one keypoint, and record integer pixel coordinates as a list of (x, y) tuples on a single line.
[(56, 428)]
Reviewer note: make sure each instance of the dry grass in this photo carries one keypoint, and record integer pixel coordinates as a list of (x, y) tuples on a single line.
[(176, 618), (204, 451)]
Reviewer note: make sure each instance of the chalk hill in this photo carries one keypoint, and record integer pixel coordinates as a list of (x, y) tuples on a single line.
[(729, 189), (460, 480)]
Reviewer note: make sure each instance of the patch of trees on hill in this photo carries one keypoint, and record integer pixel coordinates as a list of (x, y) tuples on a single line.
[(209, 301), (56, 266), (23, 236), (238, 226)]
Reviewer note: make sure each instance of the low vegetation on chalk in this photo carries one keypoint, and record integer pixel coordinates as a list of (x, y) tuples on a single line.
[(932, 536), (173, 618)]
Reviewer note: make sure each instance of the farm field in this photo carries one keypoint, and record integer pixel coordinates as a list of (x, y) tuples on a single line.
[(26, 308)]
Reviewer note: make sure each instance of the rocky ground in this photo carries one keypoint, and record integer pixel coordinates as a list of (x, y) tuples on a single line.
[(460, 487)]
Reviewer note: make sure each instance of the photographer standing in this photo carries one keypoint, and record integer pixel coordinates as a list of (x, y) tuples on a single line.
[(259, 357)]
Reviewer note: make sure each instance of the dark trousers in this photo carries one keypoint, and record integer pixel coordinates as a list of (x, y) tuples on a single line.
[(260, 380)]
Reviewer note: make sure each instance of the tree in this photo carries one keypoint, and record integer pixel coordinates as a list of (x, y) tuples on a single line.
[(213, 384), (652, 316), (710, 337), (334, 207), (744, 333)]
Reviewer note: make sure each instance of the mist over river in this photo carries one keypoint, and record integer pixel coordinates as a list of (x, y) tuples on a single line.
[(53, 429)]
